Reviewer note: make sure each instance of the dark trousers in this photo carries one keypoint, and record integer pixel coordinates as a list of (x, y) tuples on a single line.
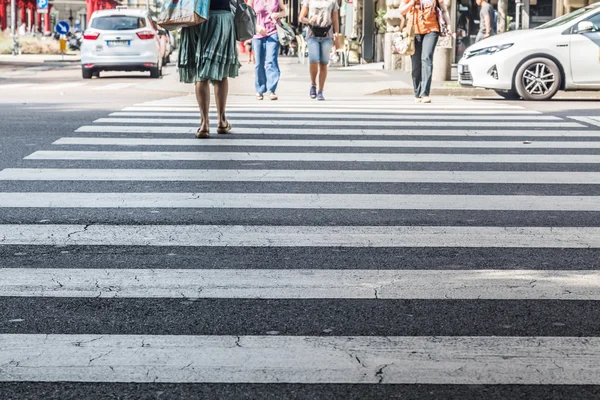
[(422, 62)]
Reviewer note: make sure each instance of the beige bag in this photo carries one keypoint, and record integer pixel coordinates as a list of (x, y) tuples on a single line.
[(404, 41)]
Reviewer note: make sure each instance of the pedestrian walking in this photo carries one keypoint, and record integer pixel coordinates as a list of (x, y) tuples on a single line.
[(424, 16), (322, 18), (208, 53), (487, 26), (248, 47), (266, 46)]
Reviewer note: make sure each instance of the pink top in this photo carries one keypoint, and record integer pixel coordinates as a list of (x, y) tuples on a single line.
[(264, 9)]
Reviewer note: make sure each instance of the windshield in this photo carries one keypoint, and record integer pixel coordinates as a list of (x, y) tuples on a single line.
[(564, 19), (118, 23)]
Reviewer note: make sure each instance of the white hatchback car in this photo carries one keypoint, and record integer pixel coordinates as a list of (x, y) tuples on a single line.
[(563, 54), (121, 40)]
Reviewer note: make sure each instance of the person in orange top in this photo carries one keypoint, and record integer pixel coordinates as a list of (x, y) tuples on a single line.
[(424, 17)]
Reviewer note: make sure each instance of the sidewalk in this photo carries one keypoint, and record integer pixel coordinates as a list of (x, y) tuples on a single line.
[(47, 61)]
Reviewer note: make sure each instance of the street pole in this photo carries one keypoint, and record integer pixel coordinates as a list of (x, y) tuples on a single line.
[(13, 27)]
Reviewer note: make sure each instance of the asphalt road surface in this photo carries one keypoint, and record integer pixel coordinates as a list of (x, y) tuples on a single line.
[(361, 248)]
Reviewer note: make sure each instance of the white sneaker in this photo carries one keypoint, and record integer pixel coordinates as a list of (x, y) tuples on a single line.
[(417, 99), (426, 99)]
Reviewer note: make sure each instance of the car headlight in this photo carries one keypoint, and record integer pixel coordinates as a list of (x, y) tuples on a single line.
[(487, 50)]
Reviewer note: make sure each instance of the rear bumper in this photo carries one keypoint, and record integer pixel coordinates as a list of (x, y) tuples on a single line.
[(120, 66)]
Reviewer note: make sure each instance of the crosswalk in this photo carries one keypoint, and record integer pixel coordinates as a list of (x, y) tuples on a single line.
[(358, 241)]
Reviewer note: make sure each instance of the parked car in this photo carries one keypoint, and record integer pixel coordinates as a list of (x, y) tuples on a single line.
[(166, 43), (121, 40), (563, 54)]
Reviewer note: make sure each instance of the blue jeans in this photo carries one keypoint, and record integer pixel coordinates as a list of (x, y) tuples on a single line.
[(267, 74), (319, 50), (422, 62)]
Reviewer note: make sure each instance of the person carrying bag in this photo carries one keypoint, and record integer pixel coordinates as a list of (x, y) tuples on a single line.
[(208, 53), (427, 29), (266, 46), (322, 17)]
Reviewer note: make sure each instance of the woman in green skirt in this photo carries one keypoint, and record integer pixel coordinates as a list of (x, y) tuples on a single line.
[(208, 53)]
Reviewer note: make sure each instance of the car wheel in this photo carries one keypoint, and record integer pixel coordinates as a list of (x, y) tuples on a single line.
[(508, 94), (86, 73), (538, 79), (96, 74)]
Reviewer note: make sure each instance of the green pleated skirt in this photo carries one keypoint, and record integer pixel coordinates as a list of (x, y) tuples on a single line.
[(208, 51)]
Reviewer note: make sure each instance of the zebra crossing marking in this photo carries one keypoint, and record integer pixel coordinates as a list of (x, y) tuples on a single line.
[(300, 236), (291, 359), (306, 157), (193, 111), (300, 201), (270, 175), (379, 284), (342, 116), (308, 122), (471, 132)]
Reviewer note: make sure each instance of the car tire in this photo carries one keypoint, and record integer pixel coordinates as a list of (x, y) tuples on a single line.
[(508, 94), (96, 74), (86, 73), (538, 79)]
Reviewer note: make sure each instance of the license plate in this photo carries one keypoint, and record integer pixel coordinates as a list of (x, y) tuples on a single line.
[(118, 43)]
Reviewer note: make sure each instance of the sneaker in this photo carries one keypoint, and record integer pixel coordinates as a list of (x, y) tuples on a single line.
[(313, 91), (426, 99), (320, 96), (417, 99), (273, 96), (259, 96)]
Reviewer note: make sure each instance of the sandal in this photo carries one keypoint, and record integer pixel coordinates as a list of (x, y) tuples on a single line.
[(225, 130), (200, 134)]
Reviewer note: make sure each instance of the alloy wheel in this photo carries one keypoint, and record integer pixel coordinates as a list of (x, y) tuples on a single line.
[(538, 79)]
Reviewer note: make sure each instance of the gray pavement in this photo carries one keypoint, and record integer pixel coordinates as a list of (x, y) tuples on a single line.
[(517, 317)]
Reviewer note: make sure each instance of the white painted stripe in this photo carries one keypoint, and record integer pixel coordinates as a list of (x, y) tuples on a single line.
[(114, 86), (300, 236), (193, 111), (301, 359), (327, 117), (269, 175), (350, 106), (299, 201), (15, 86), (301, 284), (344, 132), (331, 122), (587, 120), (233, 141), (61, 86), (311, 157)]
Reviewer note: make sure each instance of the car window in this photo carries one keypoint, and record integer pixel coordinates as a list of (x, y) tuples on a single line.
[(118, 23), (565, 19)]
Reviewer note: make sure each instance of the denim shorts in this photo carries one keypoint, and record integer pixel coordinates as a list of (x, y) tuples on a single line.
[(319, 50)]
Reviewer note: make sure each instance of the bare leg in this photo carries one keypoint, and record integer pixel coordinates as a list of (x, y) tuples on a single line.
[(322, 76), (221, 91), (203, 98), (314, 70)]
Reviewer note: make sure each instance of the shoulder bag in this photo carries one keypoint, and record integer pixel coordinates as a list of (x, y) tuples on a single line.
[(177, 14), (404, 41), (244, 19), (285, 32), (441, 20)]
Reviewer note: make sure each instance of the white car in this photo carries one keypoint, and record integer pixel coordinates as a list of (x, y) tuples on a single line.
[(563, 54), (121, 40)]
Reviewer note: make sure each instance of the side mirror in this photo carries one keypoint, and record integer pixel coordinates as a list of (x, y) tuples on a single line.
[(585, 26)]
